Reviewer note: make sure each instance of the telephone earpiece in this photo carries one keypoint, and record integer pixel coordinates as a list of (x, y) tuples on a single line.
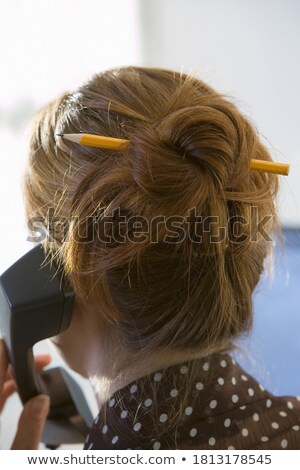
[(36, 303)]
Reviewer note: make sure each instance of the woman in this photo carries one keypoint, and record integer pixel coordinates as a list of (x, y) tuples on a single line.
[(163, 241)]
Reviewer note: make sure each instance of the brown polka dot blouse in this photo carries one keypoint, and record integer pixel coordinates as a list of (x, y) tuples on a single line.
[(227, 409)]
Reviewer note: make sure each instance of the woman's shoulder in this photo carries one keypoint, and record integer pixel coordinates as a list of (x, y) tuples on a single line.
[(226, 408), (279, 422), (249, 417)]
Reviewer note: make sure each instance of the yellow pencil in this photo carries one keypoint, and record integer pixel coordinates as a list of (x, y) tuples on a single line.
[(117, 144), (97, 141), (270, 167)]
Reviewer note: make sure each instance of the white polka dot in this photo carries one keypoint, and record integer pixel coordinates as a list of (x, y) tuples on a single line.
[(188, 411), (193, 432), (112, 402), (90, 446), (298, 398), (290, 405), (163, 418), (264, 439), (211, 441), (245, 432), (283, 413), (205, 366), (223, 363), (231, 448), (275, 425), (104, 429), (184, 369), (284, 443), (233, 361), (97, 419), (213, 404), (244, 378), (199, 386), (250, 392), (255, 417), (296, 427), (115, 439), (123, 414), (261, 387), (268, 403), (235, 398), (243, 407), (220, 381), (233, 380), (156, 445), (148, 402), (174, 392), (137, 426), (227, 422), (157, 377), (133, 388)]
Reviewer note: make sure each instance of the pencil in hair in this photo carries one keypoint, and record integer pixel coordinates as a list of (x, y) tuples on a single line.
[(116, 144), (97, 141), (270, 167)]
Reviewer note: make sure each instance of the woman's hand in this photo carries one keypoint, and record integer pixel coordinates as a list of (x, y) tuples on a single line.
[(35, 411)]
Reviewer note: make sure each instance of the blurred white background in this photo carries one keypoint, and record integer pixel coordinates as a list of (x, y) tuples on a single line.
[(248, 49), (48, 47)]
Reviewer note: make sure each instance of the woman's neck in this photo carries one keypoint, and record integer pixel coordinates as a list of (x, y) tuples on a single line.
[(95, 350), (112, 368)]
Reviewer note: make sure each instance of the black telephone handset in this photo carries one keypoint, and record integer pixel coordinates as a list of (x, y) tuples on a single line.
[(36, 303)]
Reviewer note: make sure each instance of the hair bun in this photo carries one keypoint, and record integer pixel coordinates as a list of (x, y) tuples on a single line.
[(205, 135)]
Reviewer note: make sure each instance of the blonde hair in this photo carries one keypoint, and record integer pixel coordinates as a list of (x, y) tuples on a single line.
[(190, 149)]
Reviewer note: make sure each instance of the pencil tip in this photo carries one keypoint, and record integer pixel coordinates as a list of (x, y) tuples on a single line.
[(60, 135)]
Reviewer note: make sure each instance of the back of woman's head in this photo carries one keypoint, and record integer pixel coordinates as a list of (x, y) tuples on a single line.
[(167, 236)]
